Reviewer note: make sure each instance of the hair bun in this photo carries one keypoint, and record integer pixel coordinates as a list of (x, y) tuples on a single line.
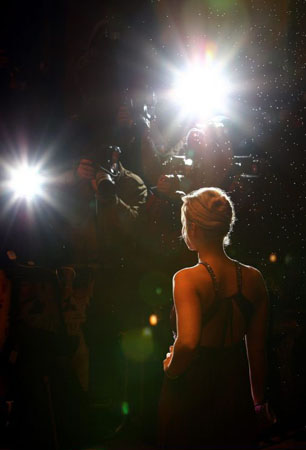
[(219, 204), (211, 209)]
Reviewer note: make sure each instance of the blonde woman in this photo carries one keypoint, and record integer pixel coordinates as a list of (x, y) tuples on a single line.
[(215, 371)]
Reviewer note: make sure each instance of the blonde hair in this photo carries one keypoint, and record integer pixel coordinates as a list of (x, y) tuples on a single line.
[(212, 210)]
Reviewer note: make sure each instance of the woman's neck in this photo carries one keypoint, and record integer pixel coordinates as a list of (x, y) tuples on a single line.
[(211, 252)]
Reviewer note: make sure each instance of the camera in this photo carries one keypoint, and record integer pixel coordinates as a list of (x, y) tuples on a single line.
[(177, 165), (104, 161), (105, 183), (176, 168)]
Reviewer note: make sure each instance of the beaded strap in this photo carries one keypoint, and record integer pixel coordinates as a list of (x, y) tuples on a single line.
[(212, 275)]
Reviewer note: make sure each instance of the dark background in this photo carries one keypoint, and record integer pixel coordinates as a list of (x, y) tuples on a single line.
[(47, 76)]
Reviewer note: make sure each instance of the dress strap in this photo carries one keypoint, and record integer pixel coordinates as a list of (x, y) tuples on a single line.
[(212, 310), (210, 313), (212, 276)]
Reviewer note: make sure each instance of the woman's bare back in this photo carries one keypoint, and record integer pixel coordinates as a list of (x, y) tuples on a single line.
[(232, 286)]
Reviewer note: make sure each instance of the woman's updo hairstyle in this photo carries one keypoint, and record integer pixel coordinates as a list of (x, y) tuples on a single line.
[(212, 210)]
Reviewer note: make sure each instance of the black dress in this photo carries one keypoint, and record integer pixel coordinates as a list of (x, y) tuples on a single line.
[(210, 405)]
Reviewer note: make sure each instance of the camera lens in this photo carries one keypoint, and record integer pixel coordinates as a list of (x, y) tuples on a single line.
[(105, 184)]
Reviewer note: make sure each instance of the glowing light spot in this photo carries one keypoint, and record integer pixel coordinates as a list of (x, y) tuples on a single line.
[(125, 408), (288, 259), (146, 331), (158, 290), (137, 345), (153, 319), (11, 255), (202, 90), (25, 182), (273, 258), (188, 162)]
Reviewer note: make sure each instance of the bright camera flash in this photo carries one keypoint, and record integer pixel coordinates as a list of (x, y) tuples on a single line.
[(201, 91), (26, 182)]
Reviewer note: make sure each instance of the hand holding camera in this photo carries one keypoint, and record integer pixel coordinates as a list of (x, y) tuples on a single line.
[(85, 170), (100, 167)]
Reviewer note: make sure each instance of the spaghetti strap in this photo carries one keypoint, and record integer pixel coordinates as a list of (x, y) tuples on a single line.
[(245, 306), (212, 310), (214, 279), (212, 276)]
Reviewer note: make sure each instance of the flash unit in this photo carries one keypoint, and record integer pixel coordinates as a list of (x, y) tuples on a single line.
[(201, 91), (25, 182)]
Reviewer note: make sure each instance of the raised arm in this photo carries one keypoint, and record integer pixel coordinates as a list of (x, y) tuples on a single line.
[(188, 322), (256, 339)]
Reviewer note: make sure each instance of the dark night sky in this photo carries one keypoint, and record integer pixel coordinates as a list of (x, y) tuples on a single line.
[(48, 71), (44, 49)]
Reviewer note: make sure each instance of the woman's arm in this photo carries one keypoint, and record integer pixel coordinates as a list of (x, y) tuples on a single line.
[(256, 340), (188, 322)]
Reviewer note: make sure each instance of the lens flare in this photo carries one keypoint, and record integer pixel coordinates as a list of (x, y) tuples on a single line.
[(125, 408), (188, 162), (137, 344), (273, 257), (201, 91), (26, 182), (153, 320)]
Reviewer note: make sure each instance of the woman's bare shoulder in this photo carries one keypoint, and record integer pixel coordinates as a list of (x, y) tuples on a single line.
[(186, 272), (252, 279), (250, 271), (194, 276)]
